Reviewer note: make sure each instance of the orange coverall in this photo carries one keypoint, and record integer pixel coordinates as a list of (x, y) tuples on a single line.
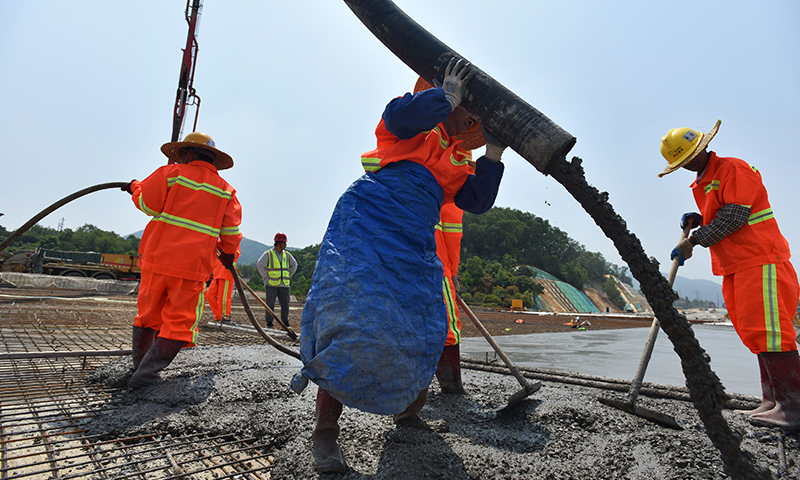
[(445, 159), (759, 283), (194, 213), (448, 248), (220, 291)]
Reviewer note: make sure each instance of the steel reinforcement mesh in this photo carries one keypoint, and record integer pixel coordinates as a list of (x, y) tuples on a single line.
[(45, 399)]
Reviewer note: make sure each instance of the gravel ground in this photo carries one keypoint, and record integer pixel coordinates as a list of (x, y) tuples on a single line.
[(559, 432)]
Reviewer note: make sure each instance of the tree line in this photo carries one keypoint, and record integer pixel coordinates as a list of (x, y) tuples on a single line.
[(87, 238), (498, 248)]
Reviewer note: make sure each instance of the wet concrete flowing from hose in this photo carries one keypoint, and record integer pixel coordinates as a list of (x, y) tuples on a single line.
[(707, 392)]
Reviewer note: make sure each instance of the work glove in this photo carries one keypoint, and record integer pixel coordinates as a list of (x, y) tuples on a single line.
[(456, 76), (691, 220), (494, 146), (683, 251), (127, 187), (226, 259)]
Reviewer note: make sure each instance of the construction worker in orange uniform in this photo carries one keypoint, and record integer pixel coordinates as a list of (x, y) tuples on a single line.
[(194, 213), (367, 336), (759, 284), (220, 289), (448, 248)]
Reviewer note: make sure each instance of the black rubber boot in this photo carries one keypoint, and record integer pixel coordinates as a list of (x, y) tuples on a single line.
[(157, 358), (448, 371), (327, 453), (767, 392), (410, 416), (142, 340), (784, 370)]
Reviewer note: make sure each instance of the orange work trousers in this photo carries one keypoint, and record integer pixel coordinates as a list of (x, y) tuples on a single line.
[(453, 320), (761, 302), (172, 305), (219, 296)]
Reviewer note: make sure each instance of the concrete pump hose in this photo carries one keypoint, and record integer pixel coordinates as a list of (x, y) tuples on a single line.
[(33, 221), (525, 129), (260, 330)]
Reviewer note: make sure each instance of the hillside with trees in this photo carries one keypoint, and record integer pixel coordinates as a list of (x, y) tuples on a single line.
[(497, 248)]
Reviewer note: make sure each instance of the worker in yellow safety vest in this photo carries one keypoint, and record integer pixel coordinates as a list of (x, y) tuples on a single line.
[(277, 266)]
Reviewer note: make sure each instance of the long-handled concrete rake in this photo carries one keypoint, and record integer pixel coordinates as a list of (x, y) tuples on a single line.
[(527, 388), (629, 404), (288, 329)]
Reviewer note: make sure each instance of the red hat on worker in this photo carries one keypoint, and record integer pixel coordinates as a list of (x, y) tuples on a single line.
[(280, 237)]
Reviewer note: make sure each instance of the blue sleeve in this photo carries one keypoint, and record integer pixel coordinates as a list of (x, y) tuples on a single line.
[(407, 116), (479, 192)]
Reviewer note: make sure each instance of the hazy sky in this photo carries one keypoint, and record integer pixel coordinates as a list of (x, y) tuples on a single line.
[(293, 92)]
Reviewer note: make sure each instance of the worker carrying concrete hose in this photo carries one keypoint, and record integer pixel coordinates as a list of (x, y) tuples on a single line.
[(219, 291), (759, 284), (372, 330), (194, 213)]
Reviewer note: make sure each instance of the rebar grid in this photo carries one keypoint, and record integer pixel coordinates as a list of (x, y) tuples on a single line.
[(44, 401)]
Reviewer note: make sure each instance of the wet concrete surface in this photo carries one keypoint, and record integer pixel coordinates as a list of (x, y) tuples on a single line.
[(617, 353), (560, 432)]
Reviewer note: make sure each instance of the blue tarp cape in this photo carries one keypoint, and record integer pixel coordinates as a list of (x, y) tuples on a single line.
[(372, 330)]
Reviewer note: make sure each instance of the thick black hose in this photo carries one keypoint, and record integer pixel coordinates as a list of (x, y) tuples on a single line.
[(525, 129), (260, 330), (33, 221), (545, 145)]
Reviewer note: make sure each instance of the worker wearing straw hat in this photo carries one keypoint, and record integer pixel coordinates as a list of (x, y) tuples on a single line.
[(194, 214), (736, 223)]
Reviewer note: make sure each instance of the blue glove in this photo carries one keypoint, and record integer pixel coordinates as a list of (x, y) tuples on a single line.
[(677, 253), (692, 220)]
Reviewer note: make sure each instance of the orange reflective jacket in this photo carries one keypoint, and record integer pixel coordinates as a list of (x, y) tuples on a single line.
[(449, 231), (759, 242), (448, 247), (194, 212), (446, 160)]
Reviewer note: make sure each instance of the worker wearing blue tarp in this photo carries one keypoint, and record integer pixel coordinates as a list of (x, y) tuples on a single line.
[(371, 332)]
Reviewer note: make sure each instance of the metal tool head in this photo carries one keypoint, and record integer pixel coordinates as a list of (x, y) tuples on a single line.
[(522, 394)]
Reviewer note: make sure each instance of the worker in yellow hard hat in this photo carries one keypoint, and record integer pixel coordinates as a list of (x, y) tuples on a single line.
[(736, 223)]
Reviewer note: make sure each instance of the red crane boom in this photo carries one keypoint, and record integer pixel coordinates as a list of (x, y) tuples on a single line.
[(186, 93)]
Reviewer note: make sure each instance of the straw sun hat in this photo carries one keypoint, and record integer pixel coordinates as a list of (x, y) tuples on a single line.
[(197, 140), (472, 138)]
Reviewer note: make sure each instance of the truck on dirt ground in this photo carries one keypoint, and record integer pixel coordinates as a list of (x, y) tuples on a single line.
[(101, 266)]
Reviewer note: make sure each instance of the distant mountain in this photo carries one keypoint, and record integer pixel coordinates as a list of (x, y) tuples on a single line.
[(699, 289), (695, 289), (251, 250)]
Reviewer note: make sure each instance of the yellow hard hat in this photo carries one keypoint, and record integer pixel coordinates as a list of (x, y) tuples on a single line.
[(680, 145), (198, 140)]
